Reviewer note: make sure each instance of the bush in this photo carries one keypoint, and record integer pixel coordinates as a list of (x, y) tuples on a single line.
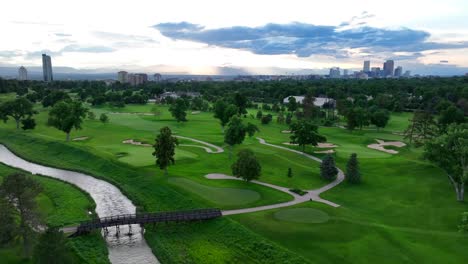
[(267, 119), (463, 227)]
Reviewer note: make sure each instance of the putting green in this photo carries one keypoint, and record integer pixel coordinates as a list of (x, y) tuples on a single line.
[(302, 215), (142, 156), (217, 195)]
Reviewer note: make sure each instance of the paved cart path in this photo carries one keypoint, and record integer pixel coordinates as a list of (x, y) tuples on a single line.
[(312, 195)]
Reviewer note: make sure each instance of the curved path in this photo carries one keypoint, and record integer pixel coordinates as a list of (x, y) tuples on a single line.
[(217, 149), (311, 195)]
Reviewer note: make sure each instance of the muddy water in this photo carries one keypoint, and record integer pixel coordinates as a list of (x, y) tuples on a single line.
[(123, 249)]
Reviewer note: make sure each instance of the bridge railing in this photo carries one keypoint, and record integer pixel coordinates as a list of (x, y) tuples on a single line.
[(145, 218)]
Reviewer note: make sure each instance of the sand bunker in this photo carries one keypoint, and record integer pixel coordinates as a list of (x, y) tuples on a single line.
[(195, 112), (80, 138), (137, 143), (132, 113), (381, 146), (326, 145), (329, 151), (286, 131), (319, 145)]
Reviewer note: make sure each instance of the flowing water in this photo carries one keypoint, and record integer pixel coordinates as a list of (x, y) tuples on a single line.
[(123, 249)]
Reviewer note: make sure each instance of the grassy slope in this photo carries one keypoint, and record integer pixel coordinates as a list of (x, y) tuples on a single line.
[(385, 219), (61, 204), (148, 188)]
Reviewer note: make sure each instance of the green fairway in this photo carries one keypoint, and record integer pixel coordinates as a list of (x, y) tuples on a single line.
[(302, 215), (222, 196), (403, 212)]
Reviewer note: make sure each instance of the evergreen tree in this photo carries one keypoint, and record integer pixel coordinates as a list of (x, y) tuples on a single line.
[(8, 226), (352, 170), (259, 114), (328, 170), (164, 148)]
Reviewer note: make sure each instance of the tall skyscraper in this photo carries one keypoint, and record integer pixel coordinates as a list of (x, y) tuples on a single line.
[(366, 66), (47, 68), (398, 71), (122, 76), (22, 74), (389, 67)]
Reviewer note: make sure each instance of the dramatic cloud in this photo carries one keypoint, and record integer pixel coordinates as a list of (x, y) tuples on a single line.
[(305, 40)]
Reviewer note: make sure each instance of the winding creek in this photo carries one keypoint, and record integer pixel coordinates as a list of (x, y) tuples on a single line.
[(109, 201)]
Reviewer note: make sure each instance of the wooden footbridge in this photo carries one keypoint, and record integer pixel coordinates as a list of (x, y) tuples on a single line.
[(142, 219)]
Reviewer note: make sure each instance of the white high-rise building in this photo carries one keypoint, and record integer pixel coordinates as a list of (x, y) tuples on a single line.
[(122, 76), (366, 66), (22, 74), (47, 68)]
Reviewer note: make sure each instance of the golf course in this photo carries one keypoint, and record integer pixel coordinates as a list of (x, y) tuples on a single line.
[(403, 210)]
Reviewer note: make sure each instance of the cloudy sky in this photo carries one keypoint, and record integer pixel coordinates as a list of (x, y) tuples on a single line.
[(259, 37)]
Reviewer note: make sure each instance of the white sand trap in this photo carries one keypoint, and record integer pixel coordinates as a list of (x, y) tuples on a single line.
[(80, 138), (381, 146), (326, 145), (320, 145), (132, 113), (195, 112), (286, 131), (329, 151), (136, 143)]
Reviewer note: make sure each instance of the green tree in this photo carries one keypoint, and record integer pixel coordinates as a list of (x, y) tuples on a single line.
[(450, 115), (8, 226), (247, 166), (164, 148), (17, 109), (380, 118), (305, 133), (66, 115), (224, 112), (422, 128), (310, 110), (235, 133), (21, 191), (178, 110), (51, 248), (266, 119), (259, 114), (251, 129), (91, 115), (241, 102), (104, 118), (352, 169), (280, 118), (463, 227), (28, 123), (54, 97), (292, 104), (450, 152), (328, 170)]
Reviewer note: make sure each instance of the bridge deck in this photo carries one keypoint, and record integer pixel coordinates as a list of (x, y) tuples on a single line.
[(145, 218)]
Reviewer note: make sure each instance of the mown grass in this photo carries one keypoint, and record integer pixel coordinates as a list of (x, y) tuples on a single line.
[(403, 212)]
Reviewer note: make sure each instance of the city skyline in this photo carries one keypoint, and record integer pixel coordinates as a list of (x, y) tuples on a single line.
[(213, 38)]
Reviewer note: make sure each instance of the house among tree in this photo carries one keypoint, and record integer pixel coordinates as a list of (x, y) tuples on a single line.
[(319, 101)]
